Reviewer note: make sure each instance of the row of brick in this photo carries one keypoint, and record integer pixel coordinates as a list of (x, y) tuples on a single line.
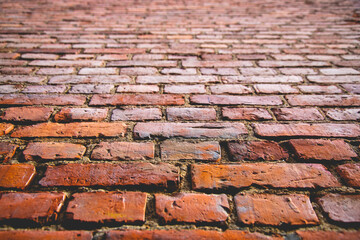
[(303, 149), (167, 176), (193, 208)]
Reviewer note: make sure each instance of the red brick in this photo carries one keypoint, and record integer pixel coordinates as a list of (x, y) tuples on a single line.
[(219, 71), (36, 114), (115, 50), (262, 79), (98, 71), (53, 151), (276, 175), (275, 210), (293, 64), (48, 50), (176, 79), (319, 89), (123, 151), (350, 172), (192, 208), (44, 89), (112, 79), (138, 71), (189, 130), (321, 149), (274, 88), (66, 63), (16, 70), (37, 99), (324, 100), (323, 57), (333, 79), (9, 55), (341, 208), (91, 88), (328, 235), (138, 99), (82, 114), (307, 130), (186, 234), (25, 206), (16, 176), (85, 129), (7, 150), (230, 89), (256, 150), (143, 63), (179, 71), (55, 71), (246, 114), (138, 174), (216, 57), (137, 89), (190, 114), (145, 57), (352, 88), (21, 79), (10, 62), (251, 57), (235, 100), (297, 71), (136, 114), (44, 235), (5, 128), (39, 56), (297, 114), (257, 71), (353, 63), (208, 151), (344, 114), (209, 64), (107, 207), (186, 89)]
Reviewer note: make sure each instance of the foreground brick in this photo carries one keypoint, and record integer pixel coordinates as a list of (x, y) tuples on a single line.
[(188, 114), (82, 114), (307, 130), (105, 207), (320, 149), (136, 114), (344, 114), (246, 114), (45, 235), (186, 234), (85, 129), (341, 208), (324, 100), (276, 210), (189, 130), (297, 114), (138, 99), (35, 207), (36, 114), (37, 99), (208, 151), (192, 208), (105, 174), (256, 150), (350, 172), (235, 100), (5, 128), (53, 151), (123, 151), (328, 235), (7, 150), (276, 175), (16, 176)]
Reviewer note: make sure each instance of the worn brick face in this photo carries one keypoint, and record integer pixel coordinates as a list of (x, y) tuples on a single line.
[(7, 150), (350, 172), (16, 176), (208, 151), (139, 99), (123, 151), (39, 234), (81, 114), (36, 114), (189, 114)]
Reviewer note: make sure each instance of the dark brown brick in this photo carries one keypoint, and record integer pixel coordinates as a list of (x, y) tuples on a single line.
[(16, 176)]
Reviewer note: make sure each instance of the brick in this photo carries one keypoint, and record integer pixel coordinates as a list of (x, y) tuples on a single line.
[(257, 71), (139, 71), (89, 79), (7, 150), (107, 207), (39, 56), (9, 55), (190, 114), (350, 172), (114, 50), (43, 235), (192, 208), (136, 114), (322, 57), (307, 130), (246, 114), (230, 89), (235, 100), (287, 57), (53, 151), (329, 235), (16, 176), (145, 57), (262, 79), (179, 71), (138, 174), (44, 89), (333, 79), (189, 130), (186, 234), (297, 71), (293, 64), (353, 63), (82, 129), (341, 208), (319, 89), (324, 100), (137, 89), (26, 207), (82, 114), (10, 62), (275, 210), (208, 151), (352, 88), (61, 50), (123, 151), (346, 114), (215, 64), (176, 79), (219, 71), (112, 57), (5, 128), (321, 149), (21, 79), (98, 71), (66, 63), (91, 88), (216, 57), (185, 89), (16, 70), (275, 88), (256, 150), (19, 114), (297, 114), (276, 175), (138, 99), (37, 99), (10, 88), (142, 63), (78, 56), (250, 57), (338, 71)]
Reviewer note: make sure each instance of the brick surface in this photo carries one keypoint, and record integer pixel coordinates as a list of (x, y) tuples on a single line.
[(350, 172), (139, 99), (277, 175), (82, 114), (246, 114), (32, 99), (325, 100), (43, 235), (297, 114), (330, 235), (209, 151), (123, 151), (344, 114), (5, 128), (36, 114), (16, 176), (235, 100), (189, 114), (7, 150), (136, 114)]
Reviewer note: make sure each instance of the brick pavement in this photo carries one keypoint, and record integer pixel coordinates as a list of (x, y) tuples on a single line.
[(166, 119)]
